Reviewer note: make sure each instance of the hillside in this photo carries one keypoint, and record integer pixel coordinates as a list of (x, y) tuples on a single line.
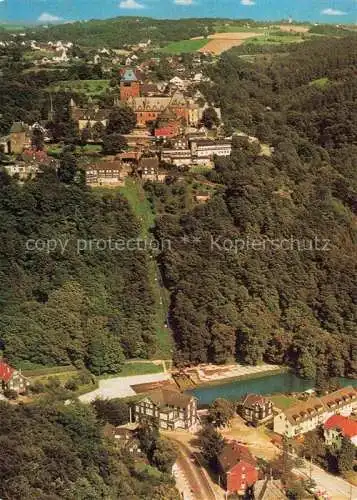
[(274, 255)]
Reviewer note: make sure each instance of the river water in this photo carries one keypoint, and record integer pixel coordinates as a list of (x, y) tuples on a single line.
[(270, 384)]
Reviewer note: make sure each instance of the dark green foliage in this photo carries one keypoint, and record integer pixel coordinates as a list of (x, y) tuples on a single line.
[(123, 31), (113, 143), (164, 455), (221, 412), (121, 121), (115, 412), (211, 443), (346, 456), (210, 118), (74, 301), (55, 451), (274, 255)]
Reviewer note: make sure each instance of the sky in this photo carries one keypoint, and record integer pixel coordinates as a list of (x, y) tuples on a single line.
[(47, 11)]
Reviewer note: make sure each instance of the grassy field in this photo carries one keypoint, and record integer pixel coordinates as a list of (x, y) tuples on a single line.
[(139, 368), (276, 38), (135, 194), (184, 46), (283, 402), (88, 87)]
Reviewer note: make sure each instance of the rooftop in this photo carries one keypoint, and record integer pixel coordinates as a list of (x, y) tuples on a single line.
[(347, 426), (233, 453), (166, 397)]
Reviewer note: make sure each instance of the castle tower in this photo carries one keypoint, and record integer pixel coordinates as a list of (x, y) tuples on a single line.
[(129, 85)]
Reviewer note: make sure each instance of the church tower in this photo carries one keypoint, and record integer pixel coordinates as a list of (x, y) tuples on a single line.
[(129, 85)]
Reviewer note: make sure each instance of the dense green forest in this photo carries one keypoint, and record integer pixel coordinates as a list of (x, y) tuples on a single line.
[(124, 31), (71, 302), (274, 256), (51, 451)]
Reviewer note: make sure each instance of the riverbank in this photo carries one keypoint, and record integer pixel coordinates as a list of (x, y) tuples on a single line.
[(211, 375)]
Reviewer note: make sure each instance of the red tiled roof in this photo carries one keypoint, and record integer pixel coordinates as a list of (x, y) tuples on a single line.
[(347, 426), (6, 372), (233, 453)]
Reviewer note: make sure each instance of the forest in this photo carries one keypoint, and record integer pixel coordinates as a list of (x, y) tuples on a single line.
[(52, 451), (71, 302), (124, 31), (254, 298)]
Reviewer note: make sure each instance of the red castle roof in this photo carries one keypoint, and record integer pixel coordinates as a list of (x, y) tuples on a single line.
[(6, 372), (347, 426)]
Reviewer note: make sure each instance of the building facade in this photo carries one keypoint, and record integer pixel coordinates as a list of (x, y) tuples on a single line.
[(12, 379), (255, 409), (337, 427), (308, 415), (238, 468), (171, 410)]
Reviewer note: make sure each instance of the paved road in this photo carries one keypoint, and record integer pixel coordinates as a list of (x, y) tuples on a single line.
[(198, 484), (336, 487)]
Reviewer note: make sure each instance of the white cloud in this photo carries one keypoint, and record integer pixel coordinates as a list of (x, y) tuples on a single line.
[(333, 12), (45, 17), (131, 4), (247, 3), (184, 2)]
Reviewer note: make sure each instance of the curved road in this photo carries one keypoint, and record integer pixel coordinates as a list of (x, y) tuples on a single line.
[(198, 482)]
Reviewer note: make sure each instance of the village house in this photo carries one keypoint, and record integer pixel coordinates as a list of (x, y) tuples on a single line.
[(12, 379), (18, 139), (255, 409), (307, 415), (337, 427), (107, 173), (123, 437), (130, 84), (148, 168), (238, 468), (177, 157), (171, 409), (89, 116)]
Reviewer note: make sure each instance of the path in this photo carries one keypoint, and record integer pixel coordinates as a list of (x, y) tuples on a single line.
[(120, 387), (336, 487), (191, 476)]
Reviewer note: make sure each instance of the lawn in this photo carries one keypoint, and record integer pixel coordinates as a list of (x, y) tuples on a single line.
[(88, 87), (139, 368), (283, 402), (184, 46)]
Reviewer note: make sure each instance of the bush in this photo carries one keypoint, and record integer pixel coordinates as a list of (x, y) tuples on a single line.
[(10, 394), (37, 387)]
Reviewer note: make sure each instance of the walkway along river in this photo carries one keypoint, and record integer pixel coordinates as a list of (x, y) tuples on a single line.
[(270, 384)]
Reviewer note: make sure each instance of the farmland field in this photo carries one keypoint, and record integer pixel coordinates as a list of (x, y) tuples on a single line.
[(184, 46), (220, 42)]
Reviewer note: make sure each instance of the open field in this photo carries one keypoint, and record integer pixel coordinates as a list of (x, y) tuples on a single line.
[(184, 46), (87, 87), (294, 28), (220, 42)]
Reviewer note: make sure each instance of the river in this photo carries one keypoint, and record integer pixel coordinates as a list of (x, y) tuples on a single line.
[(270, 384)]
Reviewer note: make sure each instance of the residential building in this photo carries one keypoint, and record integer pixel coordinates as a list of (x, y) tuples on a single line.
[(269, 489), (337, 427), (206, 148), (107, 173), (12, 379), (89, 116), (238, 468), (307, 415), (22, 169), (171, 409), (149, 109), (149, 168), (178, 157), (255, 408)]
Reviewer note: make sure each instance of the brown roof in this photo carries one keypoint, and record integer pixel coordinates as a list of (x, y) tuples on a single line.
[(166, 397), (149, 162), (90, 114), (342, 396), (250, 400), (304, 410), (105, 165), (232, 453)]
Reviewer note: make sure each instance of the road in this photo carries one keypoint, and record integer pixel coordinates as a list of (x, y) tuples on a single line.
[(336, 487), (198, 484)]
